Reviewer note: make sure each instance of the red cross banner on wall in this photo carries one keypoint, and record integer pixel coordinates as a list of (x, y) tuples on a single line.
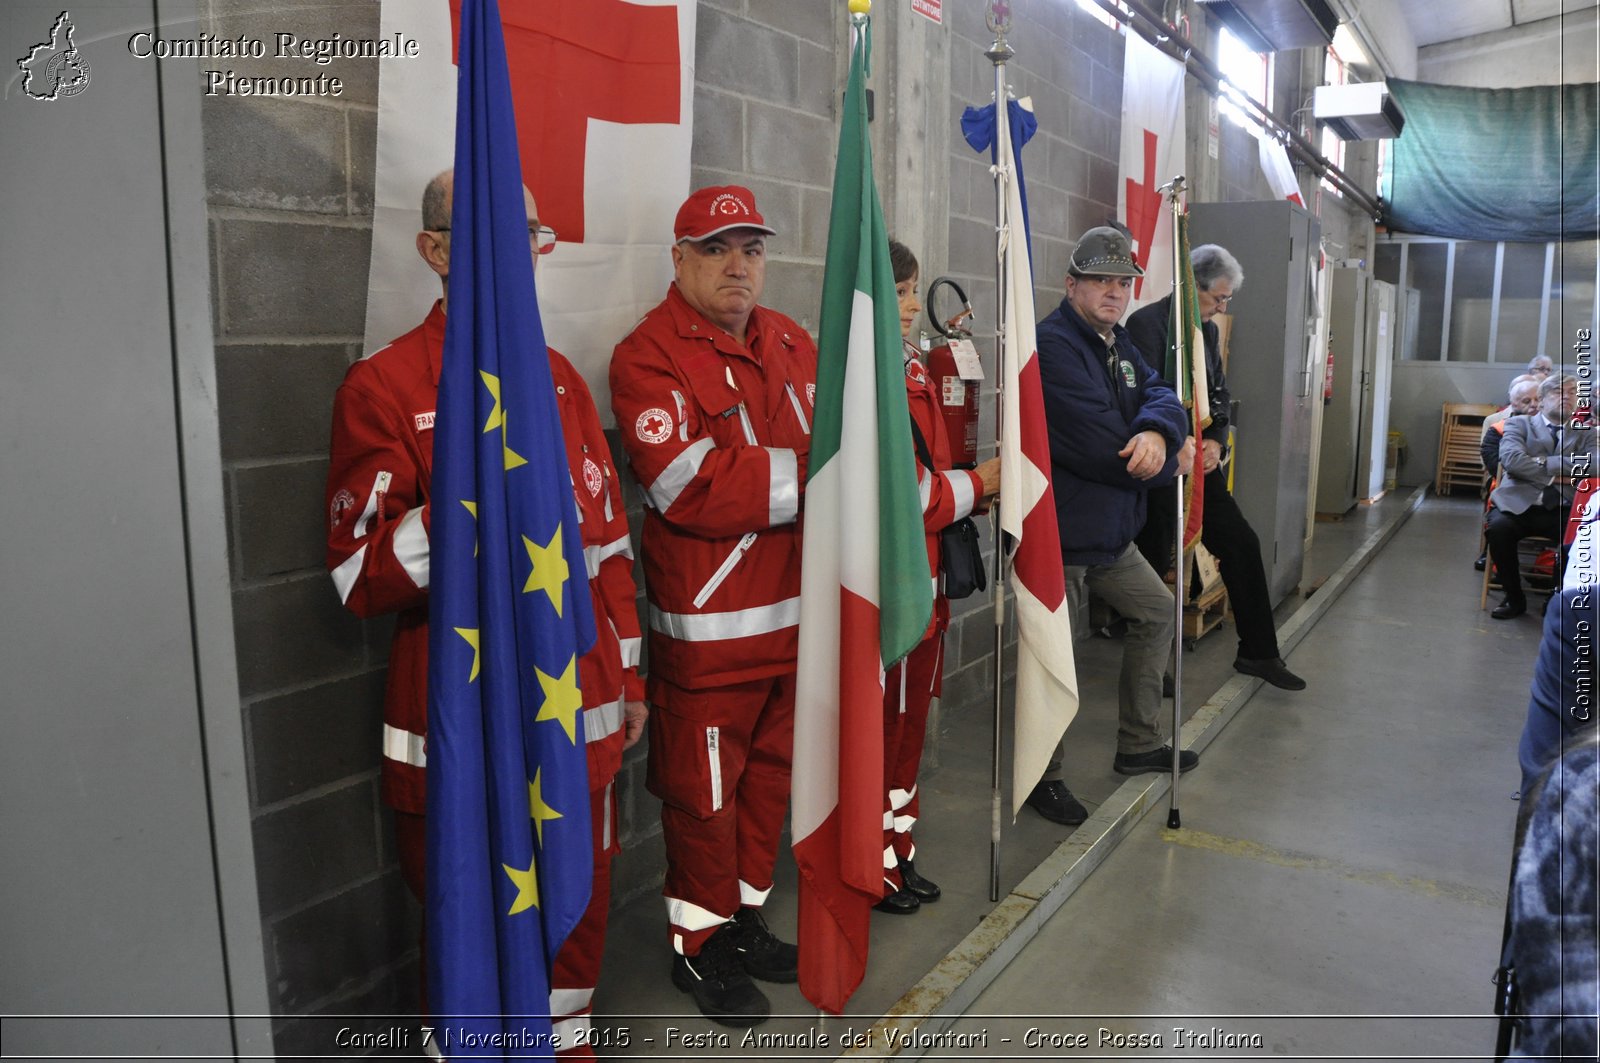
[(604, 104), (1152, 155)]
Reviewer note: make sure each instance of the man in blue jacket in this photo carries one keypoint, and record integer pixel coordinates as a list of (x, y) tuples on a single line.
[(1116, 433)]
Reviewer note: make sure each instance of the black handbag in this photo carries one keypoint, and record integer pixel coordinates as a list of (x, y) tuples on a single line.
[(960, 556)]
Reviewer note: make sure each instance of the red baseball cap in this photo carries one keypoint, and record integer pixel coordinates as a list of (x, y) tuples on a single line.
[(709, 211)]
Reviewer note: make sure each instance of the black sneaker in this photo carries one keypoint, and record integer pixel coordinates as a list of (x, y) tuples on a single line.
[(1055, 802), (1272, 669), (763, 955), (1155, 760), (721, 989)]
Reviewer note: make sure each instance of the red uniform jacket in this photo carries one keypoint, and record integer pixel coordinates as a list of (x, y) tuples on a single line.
[(717, 433), (948, 494), (378, 499)]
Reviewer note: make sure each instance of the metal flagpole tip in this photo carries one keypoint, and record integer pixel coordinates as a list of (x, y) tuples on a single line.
[(860, 7)]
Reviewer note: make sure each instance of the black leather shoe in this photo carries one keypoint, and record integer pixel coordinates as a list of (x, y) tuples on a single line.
[(900, 902), (1272, 669), (1481, 563), (1055, 802), (721, 989), (1168, 687), (763, 955), (923, 889), (1155, 760), (1510, 609)]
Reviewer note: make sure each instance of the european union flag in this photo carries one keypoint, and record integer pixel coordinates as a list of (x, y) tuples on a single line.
[(509, 865)]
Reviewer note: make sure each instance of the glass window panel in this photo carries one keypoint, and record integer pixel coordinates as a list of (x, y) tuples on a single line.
[(1386, 263), (1521, 300), (1427, 262), (1572, 301), (1472, 302)]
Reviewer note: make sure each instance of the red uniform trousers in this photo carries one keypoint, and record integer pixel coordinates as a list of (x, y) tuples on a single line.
[(905, 730), (719, 761), (578, 963)]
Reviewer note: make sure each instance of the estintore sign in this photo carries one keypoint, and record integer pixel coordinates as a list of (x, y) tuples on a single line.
[(968, 364), (932, 10)]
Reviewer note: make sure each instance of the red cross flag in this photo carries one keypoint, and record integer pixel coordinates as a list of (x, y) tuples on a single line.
[(1152, 155), (603, 92)]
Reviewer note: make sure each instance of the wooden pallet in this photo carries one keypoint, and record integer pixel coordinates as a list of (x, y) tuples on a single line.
[(1460, 436)]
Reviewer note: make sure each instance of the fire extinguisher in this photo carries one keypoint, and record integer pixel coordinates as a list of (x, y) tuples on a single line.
[(956, 372)]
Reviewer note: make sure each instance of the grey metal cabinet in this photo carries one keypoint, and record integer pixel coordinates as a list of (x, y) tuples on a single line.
[(1272, 370), (1339, 465)]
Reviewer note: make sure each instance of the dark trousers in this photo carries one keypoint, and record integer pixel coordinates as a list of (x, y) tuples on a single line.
[(1504, 531), (1234, 544)]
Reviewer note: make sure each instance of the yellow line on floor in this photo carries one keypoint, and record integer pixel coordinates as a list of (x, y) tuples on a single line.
[(1248, 850)]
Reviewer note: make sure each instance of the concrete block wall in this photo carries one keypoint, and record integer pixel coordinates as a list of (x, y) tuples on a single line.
[(289, 186), (289, 190)]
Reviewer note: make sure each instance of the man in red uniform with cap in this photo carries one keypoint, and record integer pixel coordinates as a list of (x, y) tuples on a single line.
[(378, 515), (714, 398)]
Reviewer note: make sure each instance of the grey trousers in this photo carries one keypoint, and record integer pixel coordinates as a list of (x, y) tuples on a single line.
[(1131, 587)]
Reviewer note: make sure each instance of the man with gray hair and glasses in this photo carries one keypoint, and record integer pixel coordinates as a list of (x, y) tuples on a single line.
[(1543, 455), (1224, 530)]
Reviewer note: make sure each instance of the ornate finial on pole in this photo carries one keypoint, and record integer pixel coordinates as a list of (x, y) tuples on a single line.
[(860, 7), (998, 19), (1174, 188)]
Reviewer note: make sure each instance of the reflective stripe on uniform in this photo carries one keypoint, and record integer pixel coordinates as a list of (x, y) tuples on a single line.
[(631, 649), (595, 556), (410, 545), (676, 476), (345, 576), (925, 488), (567, 1033), (715, 627), (783, 500), (405, 746), (570, 1001), (961, 486), (691, 916), (751, 897), (602, 721)]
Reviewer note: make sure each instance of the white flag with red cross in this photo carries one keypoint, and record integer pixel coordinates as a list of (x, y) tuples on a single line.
[(1152, 155), (1278, 170), (604, 96)]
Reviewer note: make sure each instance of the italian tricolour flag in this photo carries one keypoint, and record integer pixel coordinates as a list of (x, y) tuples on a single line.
[(866, 597)]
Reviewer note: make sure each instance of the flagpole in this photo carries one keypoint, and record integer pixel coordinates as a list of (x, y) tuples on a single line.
[(1174, 191), (998, 18)]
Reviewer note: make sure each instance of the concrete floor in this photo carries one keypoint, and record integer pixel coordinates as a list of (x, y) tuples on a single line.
[(1343, 851)]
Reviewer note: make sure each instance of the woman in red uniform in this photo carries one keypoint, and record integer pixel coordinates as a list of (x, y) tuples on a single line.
[(948, 494)]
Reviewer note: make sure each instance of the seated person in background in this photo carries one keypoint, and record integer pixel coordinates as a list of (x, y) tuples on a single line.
[(1524, 395), (1224, 530), (1540, 366), (1542, 455)]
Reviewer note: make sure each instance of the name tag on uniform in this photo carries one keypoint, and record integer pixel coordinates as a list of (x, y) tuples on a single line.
[(425, 421)]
